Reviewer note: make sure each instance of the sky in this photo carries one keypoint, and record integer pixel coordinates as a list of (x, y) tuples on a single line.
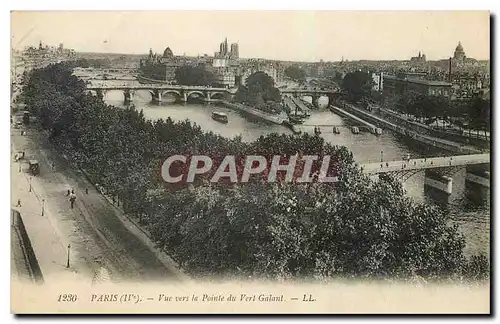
[(282, 35)]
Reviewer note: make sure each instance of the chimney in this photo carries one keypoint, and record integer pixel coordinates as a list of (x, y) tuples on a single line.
[(449, 71)]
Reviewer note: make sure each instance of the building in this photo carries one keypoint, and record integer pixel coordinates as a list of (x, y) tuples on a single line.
[(401, 85), (420, 59), (235, 51), (225, 53), (224, 77), (459, 53), (168, 54), (378, 81)]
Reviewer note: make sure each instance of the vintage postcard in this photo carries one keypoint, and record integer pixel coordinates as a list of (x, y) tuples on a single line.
[(230, 162)]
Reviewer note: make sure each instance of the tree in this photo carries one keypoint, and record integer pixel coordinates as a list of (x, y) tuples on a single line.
[(357, 85), (260, 92), (478, 114), (189, 75), (295, 73)]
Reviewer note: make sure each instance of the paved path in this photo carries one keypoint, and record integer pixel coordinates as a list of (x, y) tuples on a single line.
[(425, 163), (48, 243), (95, 229)]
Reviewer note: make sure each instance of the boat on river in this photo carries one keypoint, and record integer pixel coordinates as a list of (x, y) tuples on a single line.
[(220, 117)]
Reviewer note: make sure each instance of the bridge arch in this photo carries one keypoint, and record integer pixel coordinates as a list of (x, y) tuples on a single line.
[(218, 95), (190, 93), (175, 93)]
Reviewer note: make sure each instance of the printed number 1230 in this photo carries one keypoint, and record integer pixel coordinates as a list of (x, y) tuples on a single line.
[(67, 298)]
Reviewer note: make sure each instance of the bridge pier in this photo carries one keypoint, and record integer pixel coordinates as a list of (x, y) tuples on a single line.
[(477, 183), (128, 96), (437, 187), (331, 100), (156, 95), (315, 101), (184, 97), (207, 97)]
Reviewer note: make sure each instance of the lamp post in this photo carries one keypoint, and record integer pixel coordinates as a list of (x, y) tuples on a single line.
[(43, 206), (381, 156), (30, 185), (67, 263)]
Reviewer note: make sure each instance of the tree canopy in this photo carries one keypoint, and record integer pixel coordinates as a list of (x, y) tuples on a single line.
[(259, 91), (357, 85), (153, 71), (295, 73), (356, 227), (475, 111), (194, 75)]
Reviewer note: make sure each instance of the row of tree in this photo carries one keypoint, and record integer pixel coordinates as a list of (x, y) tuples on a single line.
[(473, 112), (353, 228)]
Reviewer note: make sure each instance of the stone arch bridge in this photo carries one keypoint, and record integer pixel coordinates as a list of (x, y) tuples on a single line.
[(207, 94)]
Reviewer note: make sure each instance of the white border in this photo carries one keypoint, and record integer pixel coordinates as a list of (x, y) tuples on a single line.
[(199, 5)]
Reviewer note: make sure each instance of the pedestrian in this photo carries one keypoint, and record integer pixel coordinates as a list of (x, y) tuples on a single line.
[(113, 198), (72, 199), (18, 203), (68, 192), (87, 191)]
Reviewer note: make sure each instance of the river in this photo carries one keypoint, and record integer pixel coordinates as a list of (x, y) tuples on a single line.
[(472, 219)]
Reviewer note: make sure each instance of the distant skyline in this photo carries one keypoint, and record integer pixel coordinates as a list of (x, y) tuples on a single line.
[(280, 35)]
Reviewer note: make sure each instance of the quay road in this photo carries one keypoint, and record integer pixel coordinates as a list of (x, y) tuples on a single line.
[(425, 163), (100, 235)]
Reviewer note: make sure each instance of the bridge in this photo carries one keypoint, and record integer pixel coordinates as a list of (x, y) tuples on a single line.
[(207, 94), (425, 163), (438, 170)]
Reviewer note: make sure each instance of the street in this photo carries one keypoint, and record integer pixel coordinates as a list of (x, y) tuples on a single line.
[(98, 233)]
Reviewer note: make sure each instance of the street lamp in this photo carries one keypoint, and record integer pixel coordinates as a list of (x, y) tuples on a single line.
[(30, 184), (43, 206), (381, 156), (67, 263)]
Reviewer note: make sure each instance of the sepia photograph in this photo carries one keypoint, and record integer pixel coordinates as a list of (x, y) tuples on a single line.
[(250, 162)]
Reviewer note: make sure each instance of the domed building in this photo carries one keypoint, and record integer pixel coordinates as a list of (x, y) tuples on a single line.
[(459, 52), (168, 54)]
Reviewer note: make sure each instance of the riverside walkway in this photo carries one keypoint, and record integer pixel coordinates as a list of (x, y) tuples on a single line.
[(49, 245), (425, 139), (374, 129)]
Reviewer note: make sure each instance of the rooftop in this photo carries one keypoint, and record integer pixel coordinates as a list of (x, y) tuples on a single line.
[(426, 82)]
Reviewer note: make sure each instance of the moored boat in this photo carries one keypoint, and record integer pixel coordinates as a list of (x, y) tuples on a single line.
[(220, 117)]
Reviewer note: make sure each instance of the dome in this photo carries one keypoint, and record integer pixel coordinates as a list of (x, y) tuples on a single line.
[(168, 53), (459, 48)]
